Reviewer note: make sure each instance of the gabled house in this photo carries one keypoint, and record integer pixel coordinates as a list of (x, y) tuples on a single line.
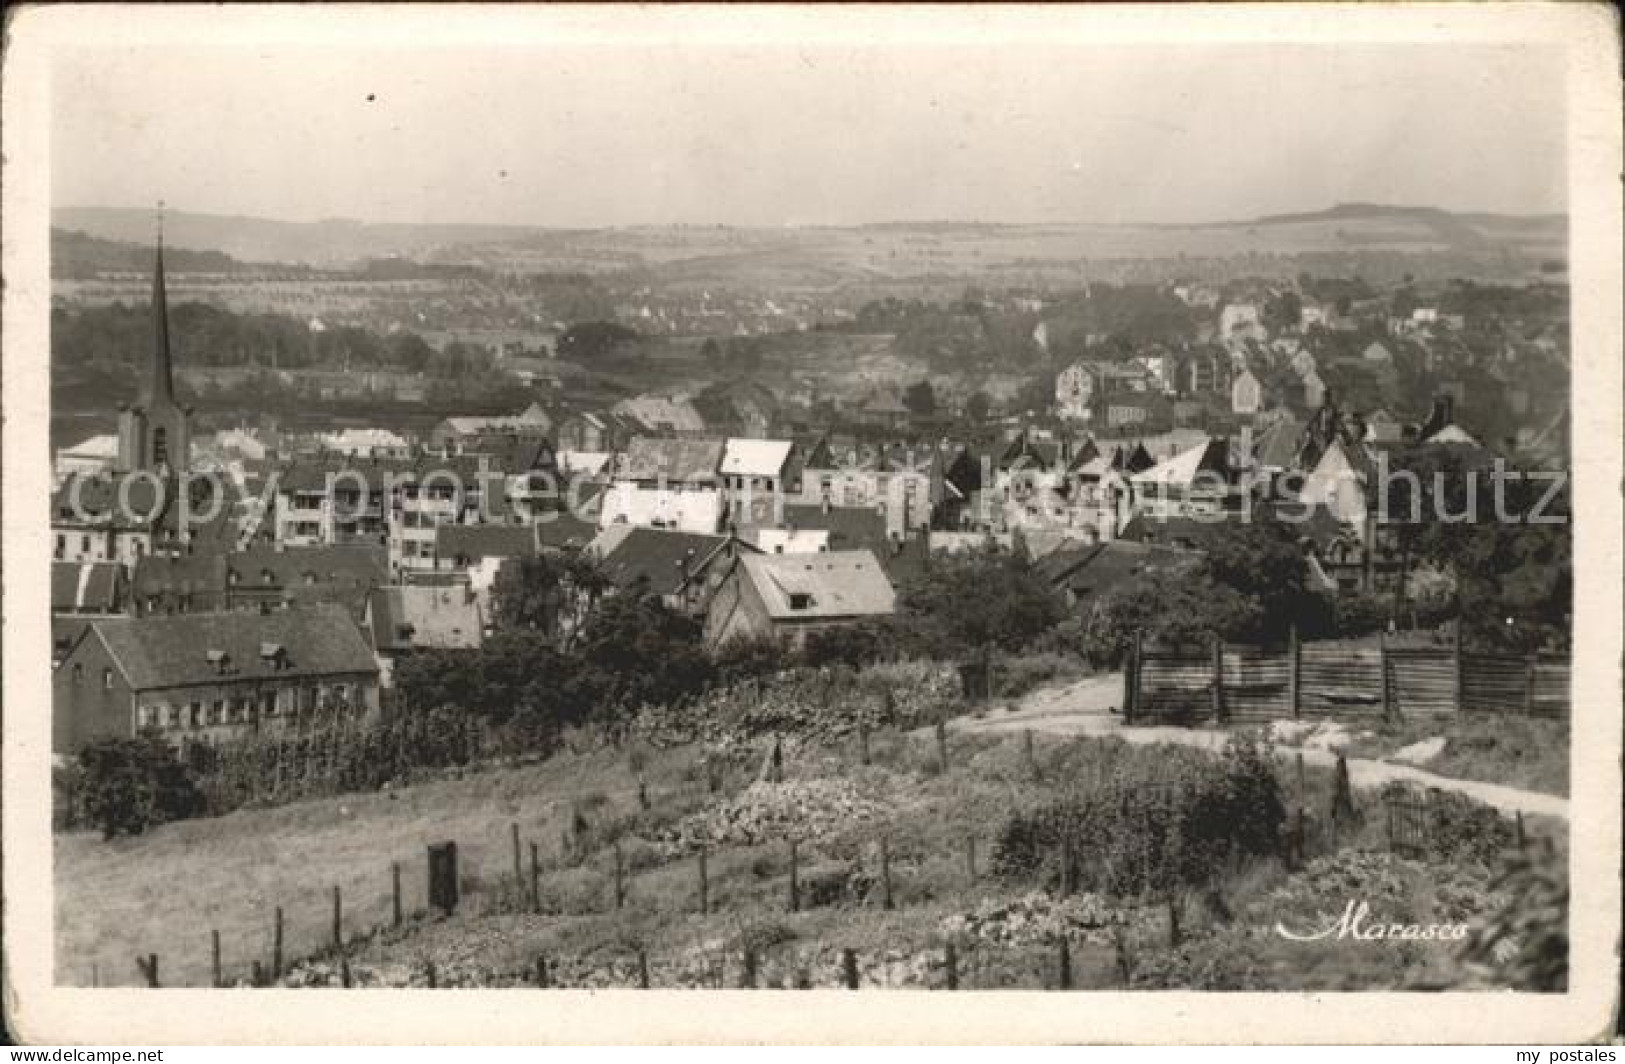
[(211, 676), (400, 620), (680, 569), (1197, 481), (788, 596), (1080, 386), (904, 483), (80, 593), (659, 414), (757, 475), (667, 483), (1080, 573), (1246, 394)]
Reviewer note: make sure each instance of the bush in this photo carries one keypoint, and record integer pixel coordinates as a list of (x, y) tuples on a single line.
[(851, 645), (749, 658), (1155, 821), (129, 785)]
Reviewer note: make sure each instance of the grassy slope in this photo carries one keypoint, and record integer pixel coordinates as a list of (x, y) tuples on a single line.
[(164, 892), (1529, 753)]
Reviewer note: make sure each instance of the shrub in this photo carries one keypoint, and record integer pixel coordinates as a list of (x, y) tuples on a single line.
[(1459, 828), (1157, 821), (748, 658), (129, 785)]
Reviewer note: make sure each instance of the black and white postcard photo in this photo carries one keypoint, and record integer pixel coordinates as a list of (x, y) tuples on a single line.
[(812, 524)]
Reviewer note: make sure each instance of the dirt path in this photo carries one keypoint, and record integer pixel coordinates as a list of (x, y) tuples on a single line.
[(1087, 707)]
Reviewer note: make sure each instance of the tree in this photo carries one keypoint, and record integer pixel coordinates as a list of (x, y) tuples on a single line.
[(978, 406), (636, 652), (129, 785), (545, 594), (964, 602), (1283, 311), (588, 341), (920, 399)]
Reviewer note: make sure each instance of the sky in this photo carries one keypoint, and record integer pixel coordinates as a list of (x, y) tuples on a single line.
[(769, 134)]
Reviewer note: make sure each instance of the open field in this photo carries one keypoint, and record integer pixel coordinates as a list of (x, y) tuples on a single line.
[(164, 892)]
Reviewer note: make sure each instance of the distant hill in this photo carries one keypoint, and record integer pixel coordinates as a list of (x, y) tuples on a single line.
[(1345, 236), (336, 241), (76, 254)]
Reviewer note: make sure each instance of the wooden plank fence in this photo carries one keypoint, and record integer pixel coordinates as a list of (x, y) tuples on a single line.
[(1342, 679)]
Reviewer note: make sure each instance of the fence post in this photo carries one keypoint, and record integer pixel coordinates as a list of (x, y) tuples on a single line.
[(942, 745), (1303, 779), (951, 960), (970, 857), (1065, 965), (518, 867), (749, 975), (395, 893), (1517, 826), (1175, 937), (276, 946), (776, 765), (443, 877), (795, 881), (1460, 668), (535, 879), (643, 968), (1218, 680), (705, 885), (1294, 672), (849, 968), (1529, 686), (214, 957), (338, 920), (863, 740), (541, 972), (1028, 754), (885, 873), (1382, 670), (620, 876), (149, 969), (1342, 792), (1131, 678)]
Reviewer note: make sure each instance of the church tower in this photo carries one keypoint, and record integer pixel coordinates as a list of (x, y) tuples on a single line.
[(155, 434)]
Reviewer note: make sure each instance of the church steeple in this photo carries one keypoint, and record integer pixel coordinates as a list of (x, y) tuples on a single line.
[(160, 386), (155, 434)]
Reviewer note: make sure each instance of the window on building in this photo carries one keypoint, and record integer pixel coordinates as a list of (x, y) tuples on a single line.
[(800, 600), (160, 446), (61, 546), (194, 715), (78, 672), (84, 544), (143, 717), (218, 714), (107, 679)]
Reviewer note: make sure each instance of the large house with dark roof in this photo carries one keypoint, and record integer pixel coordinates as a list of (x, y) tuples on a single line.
[(260, 578), (211, 676)]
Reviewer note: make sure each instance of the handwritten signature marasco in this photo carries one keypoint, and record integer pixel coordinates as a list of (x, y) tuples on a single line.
[(1356, 923)]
